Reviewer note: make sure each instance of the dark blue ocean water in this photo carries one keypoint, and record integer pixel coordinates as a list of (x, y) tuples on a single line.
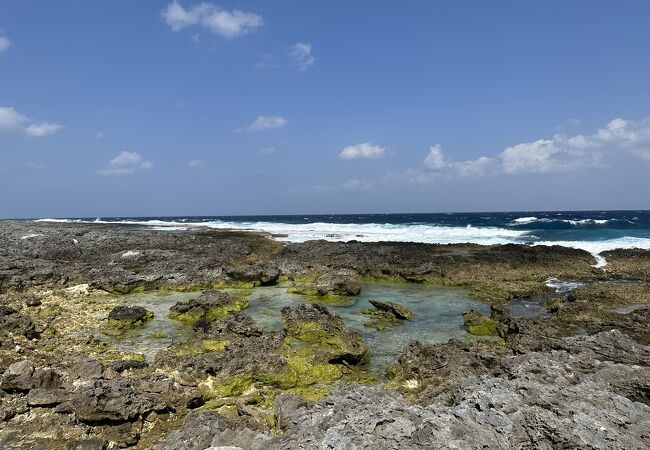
[(594, 231)]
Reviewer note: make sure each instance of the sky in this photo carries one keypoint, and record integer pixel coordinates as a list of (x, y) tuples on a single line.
[(163, 108)]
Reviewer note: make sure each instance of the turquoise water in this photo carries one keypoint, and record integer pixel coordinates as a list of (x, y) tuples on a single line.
[(438, 317)]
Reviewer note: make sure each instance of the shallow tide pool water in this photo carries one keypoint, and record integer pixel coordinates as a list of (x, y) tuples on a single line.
[(438, 316)]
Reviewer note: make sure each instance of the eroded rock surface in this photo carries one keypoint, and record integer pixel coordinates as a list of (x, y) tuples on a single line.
[(580, 403), (315, 324)]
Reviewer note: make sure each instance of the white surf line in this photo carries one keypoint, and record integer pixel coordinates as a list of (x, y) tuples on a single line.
[(600, 261)]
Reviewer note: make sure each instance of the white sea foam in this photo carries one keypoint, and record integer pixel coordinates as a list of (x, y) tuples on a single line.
[(587, 221), (575, 222), (597, 247), (432, 234), (423, 233), (562, 287), (524, 220)]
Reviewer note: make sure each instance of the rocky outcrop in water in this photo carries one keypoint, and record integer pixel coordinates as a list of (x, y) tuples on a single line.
[(315, 324), (124, 316), (211, 305), (398, 311), (330, 284)]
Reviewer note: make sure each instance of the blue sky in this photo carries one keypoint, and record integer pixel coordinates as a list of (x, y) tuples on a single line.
[(161, 108)]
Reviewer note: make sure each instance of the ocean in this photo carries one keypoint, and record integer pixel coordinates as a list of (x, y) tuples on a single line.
[(594, 231)]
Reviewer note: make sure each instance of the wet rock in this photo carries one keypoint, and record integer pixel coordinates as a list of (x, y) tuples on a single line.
[(479, 325), (123, 316), (235, 324), (554, 305), (386, 314), (316, 325), (211, 305), (500, 323), (399, 311), (330, 284)]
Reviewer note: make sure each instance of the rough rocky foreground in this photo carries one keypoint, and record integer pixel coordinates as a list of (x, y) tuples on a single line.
[(592, 392), (576, 378)]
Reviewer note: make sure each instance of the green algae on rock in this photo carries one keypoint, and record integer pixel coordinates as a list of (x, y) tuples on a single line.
[(316, 325), (330, 284), (386, 314), (479, 325), (123, 316), (499, 324), (395, 309), (211, 305)]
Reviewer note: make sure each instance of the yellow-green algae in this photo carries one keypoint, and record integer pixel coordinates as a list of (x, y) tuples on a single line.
[(213, 313), (485, 327), (123, 324)]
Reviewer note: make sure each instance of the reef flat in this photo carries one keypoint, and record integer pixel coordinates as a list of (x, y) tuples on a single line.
[(576, 376)]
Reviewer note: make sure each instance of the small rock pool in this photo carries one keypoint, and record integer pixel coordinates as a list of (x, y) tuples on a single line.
[(438, 316)]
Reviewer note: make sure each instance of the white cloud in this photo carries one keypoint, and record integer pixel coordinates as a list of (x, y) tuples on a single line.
[(435, 159), (265, 123), (561, 153), (266, 150), (12, 120), (225, 23), (99, 135), (302, 56), (195, 163), (42, 129), (363, 151), (5, 43), (125, 163)]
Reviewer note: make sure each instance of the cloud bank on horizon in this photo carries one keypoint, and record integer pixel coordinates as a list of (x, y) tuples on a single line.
[(208, 90), (560, 153)]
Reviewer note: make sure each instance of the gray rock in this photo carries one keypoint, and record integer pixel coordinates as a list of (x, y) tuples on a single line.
[(46, 397)]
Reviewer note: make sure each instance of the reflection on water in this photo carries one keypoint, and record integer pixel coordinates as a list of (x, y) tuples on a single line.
[(438, 316)]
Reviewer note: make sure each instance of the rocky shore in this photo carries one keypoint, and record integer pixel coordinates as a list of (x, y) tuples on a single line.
[(576, 377)]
